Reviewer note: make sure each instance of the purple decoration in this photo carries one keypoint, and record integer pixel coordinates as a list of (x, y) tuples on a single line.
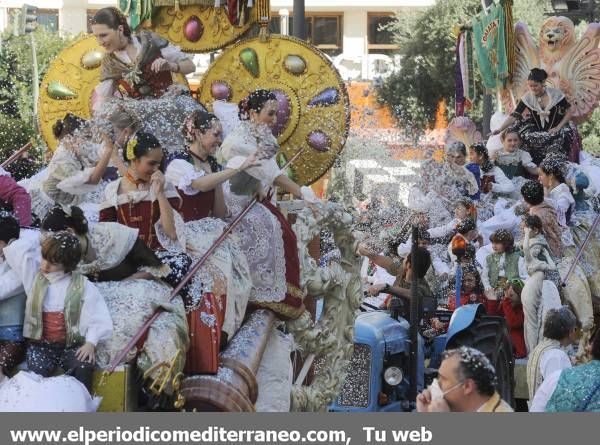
[(325, 98), (460, 94), (220, 90), (319, 141), (283, 113), (193, 29)]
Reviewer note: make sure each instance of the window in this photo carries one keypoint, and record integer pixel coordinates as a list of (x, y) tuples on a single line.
[(48, 18), (323, 30), (381, 38)]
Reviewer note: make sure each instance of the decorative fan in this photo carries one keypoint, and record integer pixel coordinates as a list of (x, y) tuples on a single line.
[(69, 85), (313, 102)]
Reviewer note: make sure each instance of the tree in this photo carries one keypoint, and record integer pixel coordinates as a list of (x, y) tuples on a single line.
[(16, 93), (427, 47)]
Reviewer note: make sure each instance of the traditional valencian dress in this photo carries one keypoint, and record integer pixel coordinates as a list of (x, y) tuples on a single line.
[(140, 210), (265, 235), (160, 105), (534, 129), (226, 276)]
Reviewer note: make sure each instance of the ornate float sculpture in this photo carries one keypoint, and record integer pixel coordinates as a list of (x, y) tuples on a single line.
[(572, 65)]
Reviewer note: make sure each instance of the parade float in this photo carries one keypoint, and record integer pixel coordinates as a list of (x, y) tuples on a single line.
[(375, 362), (313, 121)]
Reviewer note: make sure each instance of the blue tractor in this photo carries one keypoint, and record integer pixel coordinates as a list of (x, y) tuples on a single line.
[(392, 361)]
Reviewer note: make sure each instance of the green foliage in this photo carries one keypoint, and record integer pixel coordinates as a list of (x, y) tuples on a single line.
[(427, 47), (590, 133), (16, 89)]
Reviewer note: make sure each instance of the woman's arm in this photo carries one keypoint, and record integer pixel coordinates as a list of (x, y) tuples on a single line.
[(100, 169), (211, 181), (186, 66), (167, 219), (219, 208), (565, 120), (288, 185), (507, 123)]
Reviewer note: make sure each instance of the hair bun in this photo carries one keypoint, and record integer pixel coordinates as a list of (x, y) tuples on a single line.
[(57, 128)]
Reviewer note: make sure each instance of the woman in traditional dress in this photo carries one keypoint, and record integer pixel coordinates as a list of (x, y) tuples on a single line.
[(140, 68), (265, 234), (78, 165), (547, 129), (575, 225), (198, 176), (199, 179), (110, 251), (143, 201)]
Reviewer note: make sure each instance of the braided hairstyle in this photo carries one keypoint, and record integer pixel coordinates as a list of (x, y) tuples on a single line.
[(255, 101), (57, 219), (481, 150), (67, 126), (113, 18)]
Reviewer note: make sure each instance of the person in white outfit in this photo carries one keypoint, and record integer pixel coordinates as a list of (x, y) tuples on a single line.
[(548, 357)]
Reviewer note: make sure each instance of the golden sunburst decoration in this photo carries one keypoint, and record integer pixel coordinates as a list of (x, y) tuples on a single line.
[(313, 102), (69, 85), (197, 28)]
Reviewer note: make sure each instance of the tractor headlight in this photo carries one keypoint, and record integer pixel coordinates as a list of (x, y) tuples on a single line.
[(393, 376)]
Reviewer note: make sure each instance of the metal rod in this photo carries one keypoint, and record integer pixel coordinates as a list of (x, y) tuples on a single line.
[(580, 251), (414, 316), (12, 158), (121, 355)]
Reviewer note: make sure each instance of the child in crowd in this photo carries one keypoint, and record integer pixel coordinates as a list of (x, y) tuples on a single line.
[(12, 301), (493, 179), (514, 162), (471, 291), (504, 264), (511, 308), (65, 315)]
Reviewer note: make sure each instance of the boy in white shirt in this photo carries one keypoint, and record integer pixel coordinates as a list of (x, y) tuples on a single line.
[(65, 315)]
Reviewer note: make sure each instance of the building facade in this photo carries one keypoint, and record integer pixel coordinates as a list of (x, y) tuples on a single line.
[(351, 32)]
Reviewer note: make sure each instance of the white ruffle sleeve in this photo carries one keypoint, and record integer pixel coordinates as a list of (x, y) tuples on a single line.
[(95, 323), (181, 174), (169, 244), (78, 184), (103, 91)]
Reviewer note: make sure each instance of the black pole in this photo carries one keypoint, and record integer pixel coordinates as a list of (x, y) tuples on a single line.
[(299, 20), (414, 318)]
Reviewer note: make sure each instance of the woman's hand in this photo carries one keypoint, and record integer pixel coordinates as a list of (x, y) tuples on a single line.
[(260, 194), (161, 64), (364, 250), (157, 183), (376, 289), (86, 353), (251, 161), (554, 130)]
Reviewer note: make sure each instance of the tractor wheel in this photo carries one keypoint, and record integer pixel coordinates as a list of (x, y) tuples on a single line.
[(489, 334)]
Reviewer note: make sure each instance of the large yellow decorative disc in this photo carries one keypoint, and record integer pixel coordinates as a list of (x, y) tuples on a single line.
[(313, 102), (198, 29), (69, 84)]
